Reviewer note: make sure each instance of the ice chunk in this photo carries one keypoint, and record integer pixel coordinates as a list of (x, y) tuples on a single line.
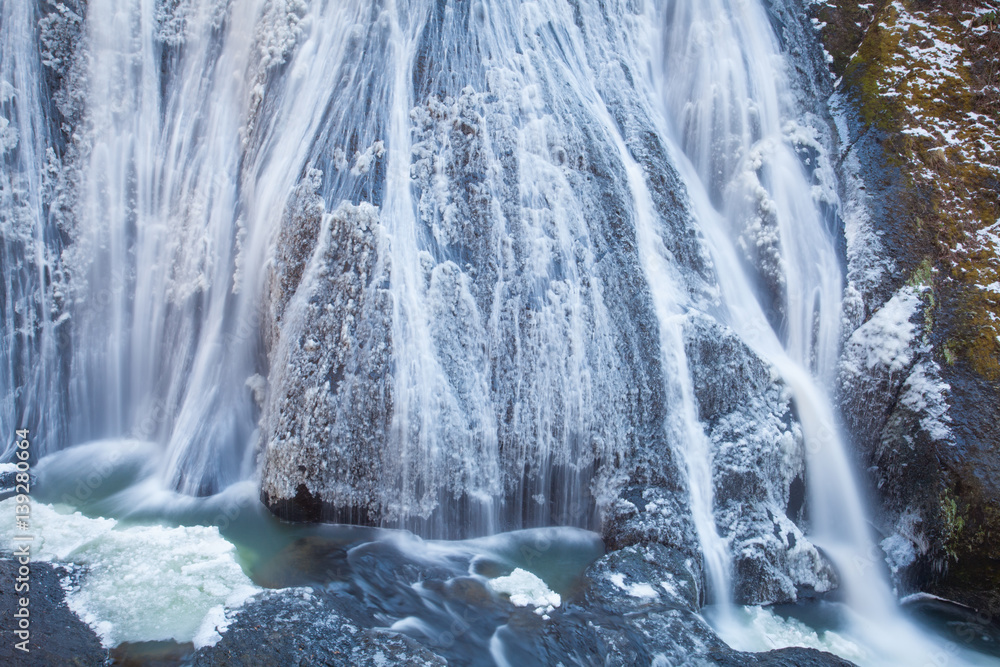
[(526, 590)]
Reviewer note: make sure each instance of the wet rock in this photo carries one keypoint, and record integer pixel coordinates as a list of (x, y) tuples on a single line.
[(8, 483), (296, 627), (639, 607), (58, 636), (785, 657), (151, 654), (635, 606), (541, 368), (587, 637), (651, 510), (642, 577), (330, 398), (894, 401), (926, 211), (757, 457)]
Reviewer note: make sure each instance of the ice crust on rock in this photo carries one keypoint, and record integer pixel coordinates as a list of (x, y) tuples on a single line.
[(757, 457), (140, 583)]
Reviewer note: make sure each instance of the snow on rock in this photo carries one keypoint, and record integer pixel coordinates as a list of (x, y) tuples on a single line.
[(899, 552), (885, 341), (636, 590), (925, 394), (757, 459), (885, 359)]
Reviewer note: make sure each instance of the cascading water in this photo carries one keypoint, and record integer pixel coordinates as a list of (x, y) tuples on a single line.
[(31, 368), (722, 88), (420, 264), (726, 106)]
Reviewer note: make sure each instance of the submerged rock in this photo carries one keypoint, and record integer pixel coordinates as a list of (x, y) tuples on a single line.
[(639, 606), (635, 606)]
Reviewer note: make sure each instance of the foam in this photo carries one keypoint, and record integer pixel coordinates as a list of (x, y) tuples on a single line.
[(760, 629)]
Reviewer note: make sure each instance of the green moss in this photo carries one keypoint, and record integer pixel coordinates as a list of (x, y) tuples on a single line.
[(895, 74), (989, 19), (865, 76), (949, 352), (923, 275), (935, 112), (953, 524)]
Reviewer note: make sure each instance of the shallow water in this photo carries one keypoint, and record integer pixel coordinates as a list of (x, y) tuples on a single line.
[(157, 565)]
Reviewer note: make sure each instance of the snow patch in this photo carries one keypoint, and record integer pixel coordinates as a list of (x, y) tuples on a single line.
[(886, 339), (899, 552), (924, 393), (641, 590)]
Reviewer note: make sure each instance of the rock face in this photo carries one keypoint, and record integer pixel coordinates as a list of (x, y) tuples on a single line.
[(759, 465), (493, 360), (483, 345), (299, 628), (920, 390), (331, 400), (58, 637)]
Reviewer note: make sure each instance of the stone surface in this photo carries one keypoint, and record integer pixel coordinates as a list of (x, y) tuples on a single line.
[(330, 399), (298, 628), (58, 636), (638, 607), (757, 458), (635, 606), (924, 171)]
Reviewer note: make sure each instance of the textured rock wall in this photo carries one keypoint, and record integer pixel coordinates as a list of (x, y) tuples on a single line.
[(542, 339), (918, 99), (331, 398)]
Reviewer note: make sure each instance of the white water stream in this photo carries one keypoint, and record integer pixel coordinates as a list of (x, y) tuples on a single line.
[(724, 86)]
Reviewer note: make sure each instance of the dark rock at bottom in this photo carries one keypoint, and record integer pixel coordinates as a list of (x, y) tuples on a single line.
[(57, 635), (635, 606), (785, 657), (303, 627)]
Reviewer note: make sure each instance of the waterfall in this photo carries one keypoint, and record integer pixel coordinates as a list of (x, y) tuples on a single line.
[(419, 264), (505, 154), (735, 139), (33, 341)]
